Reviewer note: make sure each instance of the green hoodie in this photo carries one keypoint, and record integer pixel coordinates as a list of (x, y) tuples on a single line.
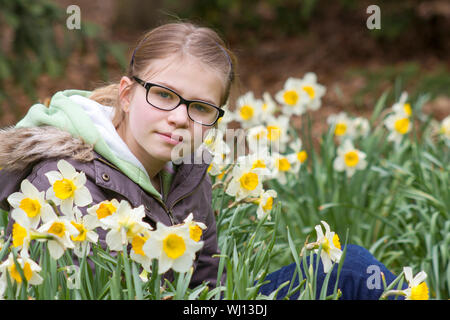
[(67, 115)]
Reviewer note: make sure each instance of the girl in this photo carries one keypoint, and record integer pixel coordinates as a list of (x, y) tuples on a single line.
[(124, 137)]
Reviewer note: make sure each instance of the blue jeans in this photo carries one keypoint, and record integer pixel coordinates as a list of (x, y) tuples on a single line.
[(359, 278)]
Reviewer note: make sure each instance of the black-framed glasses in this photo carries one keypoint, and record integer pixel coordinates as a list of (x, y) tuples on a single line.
[(166, 99)]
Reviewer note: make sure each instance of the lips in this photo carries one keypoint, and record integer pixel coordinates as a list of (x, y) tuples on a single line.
[(171, 138)]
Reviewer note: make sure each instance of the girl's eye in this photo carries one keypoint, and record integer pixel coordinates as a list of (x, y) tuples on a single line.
[(165, 94), (201, 108)]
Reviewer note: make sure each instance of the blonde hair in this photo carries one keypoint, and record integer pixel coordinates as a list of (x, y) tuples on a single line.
[(179, 38)]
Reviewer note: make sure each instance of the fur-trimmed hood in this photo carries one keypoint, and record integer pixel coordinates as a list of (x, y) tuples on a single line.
[(72, 125), (22, 147)]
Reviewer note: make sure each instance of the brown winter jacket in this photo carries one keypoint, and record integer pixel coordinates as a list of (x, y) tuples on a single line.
[(28, 153)]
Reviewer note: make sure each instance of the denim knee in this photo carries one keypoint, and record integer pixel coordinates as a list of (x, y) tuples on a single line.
[(359, 279)]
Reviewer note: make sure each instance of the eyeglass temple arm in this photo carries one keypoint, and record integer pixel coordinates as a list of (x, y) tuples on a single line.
[(142, 82)]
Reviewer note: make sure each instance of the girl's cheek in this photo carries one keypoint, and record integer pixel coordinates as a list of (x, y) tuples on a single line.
[(143, 117)]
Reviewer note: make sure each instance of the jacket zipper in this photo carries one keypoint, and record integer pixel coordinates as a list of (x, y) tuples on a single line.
[(163, 205), (185, 196)]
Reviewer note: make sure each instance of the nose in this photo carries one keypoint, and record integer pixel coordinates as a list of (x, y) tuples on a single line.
[(179, 116)]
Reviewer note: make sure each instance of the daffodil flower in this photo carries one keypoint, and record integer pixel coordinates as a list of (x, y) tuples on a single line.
[(173, 247), (331, 248), (314, 91), (29, 268), (361, 127), (257, 139), (103, 209), (265, 204), (68, 187), (248, 110), (21, 231), (214, 143), (291, 97), (341, 125), (61, 230), (31, 202), (217, 166), (246, 181), (124, 225), (258, 160), (269, 106), (86, 225), (195, 228), (284, 165), (401, 106), (445, 128), (349, 159), (399, 124), (137, 253), (277, 133), (417, 287), (300, 154)]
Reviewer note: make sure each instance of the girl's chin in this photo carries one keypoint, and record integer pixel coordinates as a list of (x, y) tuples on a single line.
[(169, 153)]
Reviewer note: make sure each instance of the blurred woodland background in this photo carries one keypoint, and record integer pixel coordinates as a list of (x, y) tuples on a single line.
[(273, 40)]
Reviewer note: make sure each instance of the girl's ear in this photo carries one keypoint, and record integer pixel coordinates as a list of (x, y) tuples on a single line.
[(125, 93)]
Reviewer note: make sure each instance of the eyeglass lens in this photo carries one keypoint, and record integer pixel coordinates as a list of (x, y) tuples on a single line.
[(166, 99)]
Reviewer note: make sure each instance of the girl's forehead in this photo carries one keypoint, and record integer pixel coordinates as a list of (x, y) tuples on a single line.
[(188, 76)]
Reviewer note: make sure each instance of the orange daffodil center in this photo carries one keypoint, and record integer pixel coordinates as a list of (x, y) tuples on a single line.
[(268, 205), (32, 207), (402, 125), (195, 232), (174, 246), (340, 129), (82, 232), (64, 189), (27, 272), (246, 112), (420, 292), (105, 209), (351, 158), (57, 228), (19, 234), (310, 91), (137, 244), (249, 181), (290, 97), (283, 164), (302, 156)]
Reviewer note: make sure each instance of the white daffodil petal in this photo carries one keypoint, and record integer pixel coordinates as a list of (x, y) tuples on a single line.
[(66, 169), (53, 176), (164, 264), (326, 261), (67, 206), (182, 264), (114, 240), (419, 278), (82, 197), (15, 198), (55, 249)]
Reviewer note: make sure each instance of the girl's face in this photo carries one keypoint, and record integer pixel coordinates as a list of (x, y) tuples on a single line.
[(153, 134)]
